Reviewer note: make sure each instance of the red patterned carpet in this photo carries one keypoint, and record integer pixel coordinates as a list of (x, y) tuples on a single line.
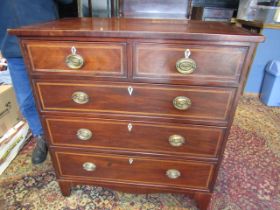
[(249, 178)]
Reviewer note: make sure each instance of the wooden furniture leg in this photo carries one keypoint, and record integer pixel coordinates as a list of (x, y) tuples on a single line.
[(65, 188), (202, 200)]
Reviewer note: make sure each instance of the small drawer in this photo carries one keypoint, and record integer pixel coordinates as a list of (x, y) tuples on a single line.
[(134, 169), (178, 103), (77, 58), (209, 64), (138, 137)]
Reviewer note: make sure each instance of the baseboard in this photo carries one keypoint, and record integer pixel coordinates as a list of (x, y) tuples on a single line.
[(251, 94)]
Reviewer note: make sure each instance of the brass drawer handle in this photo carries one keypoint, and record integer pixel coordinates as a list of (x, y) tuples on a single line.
[(182, 103), (88, 166), (176, 140), (74, 60), (80, 97), (173, 174), (84, 134), (186, 65)]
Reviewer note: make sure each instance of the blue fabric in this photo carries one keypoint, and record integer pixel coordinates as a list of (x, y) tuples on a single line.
[(17, 13), (24, 94), (14, 14)]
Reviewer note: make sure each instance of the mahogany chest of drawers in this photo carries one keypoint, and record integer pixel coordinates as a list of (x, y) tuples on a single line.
[(134, 104)]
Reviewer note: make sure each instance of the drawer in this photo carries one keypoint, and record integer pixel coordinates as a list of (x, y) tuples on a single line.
[(173, 139), (215, 64), (134, 169), (98, 59), (201, 103)]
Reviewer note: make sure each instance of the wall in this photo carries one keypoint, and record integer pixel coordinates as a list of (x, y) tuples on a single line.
[(267, 51)]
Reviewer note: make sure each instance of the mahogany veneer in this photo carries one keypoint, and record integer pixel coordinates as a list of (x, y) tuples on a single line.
[(156, 61), (146, 100), (115, 122), (142, 170), (102, 59), (206, 144)]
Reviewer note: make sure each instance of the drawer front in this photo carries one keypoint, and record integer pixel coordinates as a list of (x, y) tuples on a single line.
[(146, 100), (144, 170), (99, 59), (214, 64), (135, 136)]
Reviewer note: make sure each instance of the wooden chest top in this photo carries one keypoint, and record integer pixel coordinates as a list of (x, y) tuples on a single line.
[(140, 28)]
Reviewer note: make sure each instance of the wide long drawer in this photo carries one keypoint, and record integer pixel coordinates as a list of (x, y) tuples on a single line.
[(99, 59), (209, 64), (182, 102), (172, 139), (134, 169)]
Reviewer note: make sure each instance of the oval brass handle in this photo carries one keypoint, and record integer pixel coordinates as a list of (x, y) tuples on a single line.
[(84, 134), (176, 140), (186, 65), (88, 166), (182, 102), (80, 97), (173, 174), (74, 60)]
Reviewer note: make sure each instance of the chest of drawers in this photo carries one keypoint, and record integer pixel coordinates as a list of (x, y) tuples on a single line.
[(137, 105)]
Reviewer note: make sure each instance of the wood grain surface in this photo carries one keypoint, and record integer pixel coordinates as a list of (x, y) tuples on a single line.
[(143, 138)]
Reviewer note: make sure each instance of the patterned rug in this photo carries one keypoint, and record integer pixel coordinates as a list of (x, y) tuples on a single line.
[(249, 177)]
